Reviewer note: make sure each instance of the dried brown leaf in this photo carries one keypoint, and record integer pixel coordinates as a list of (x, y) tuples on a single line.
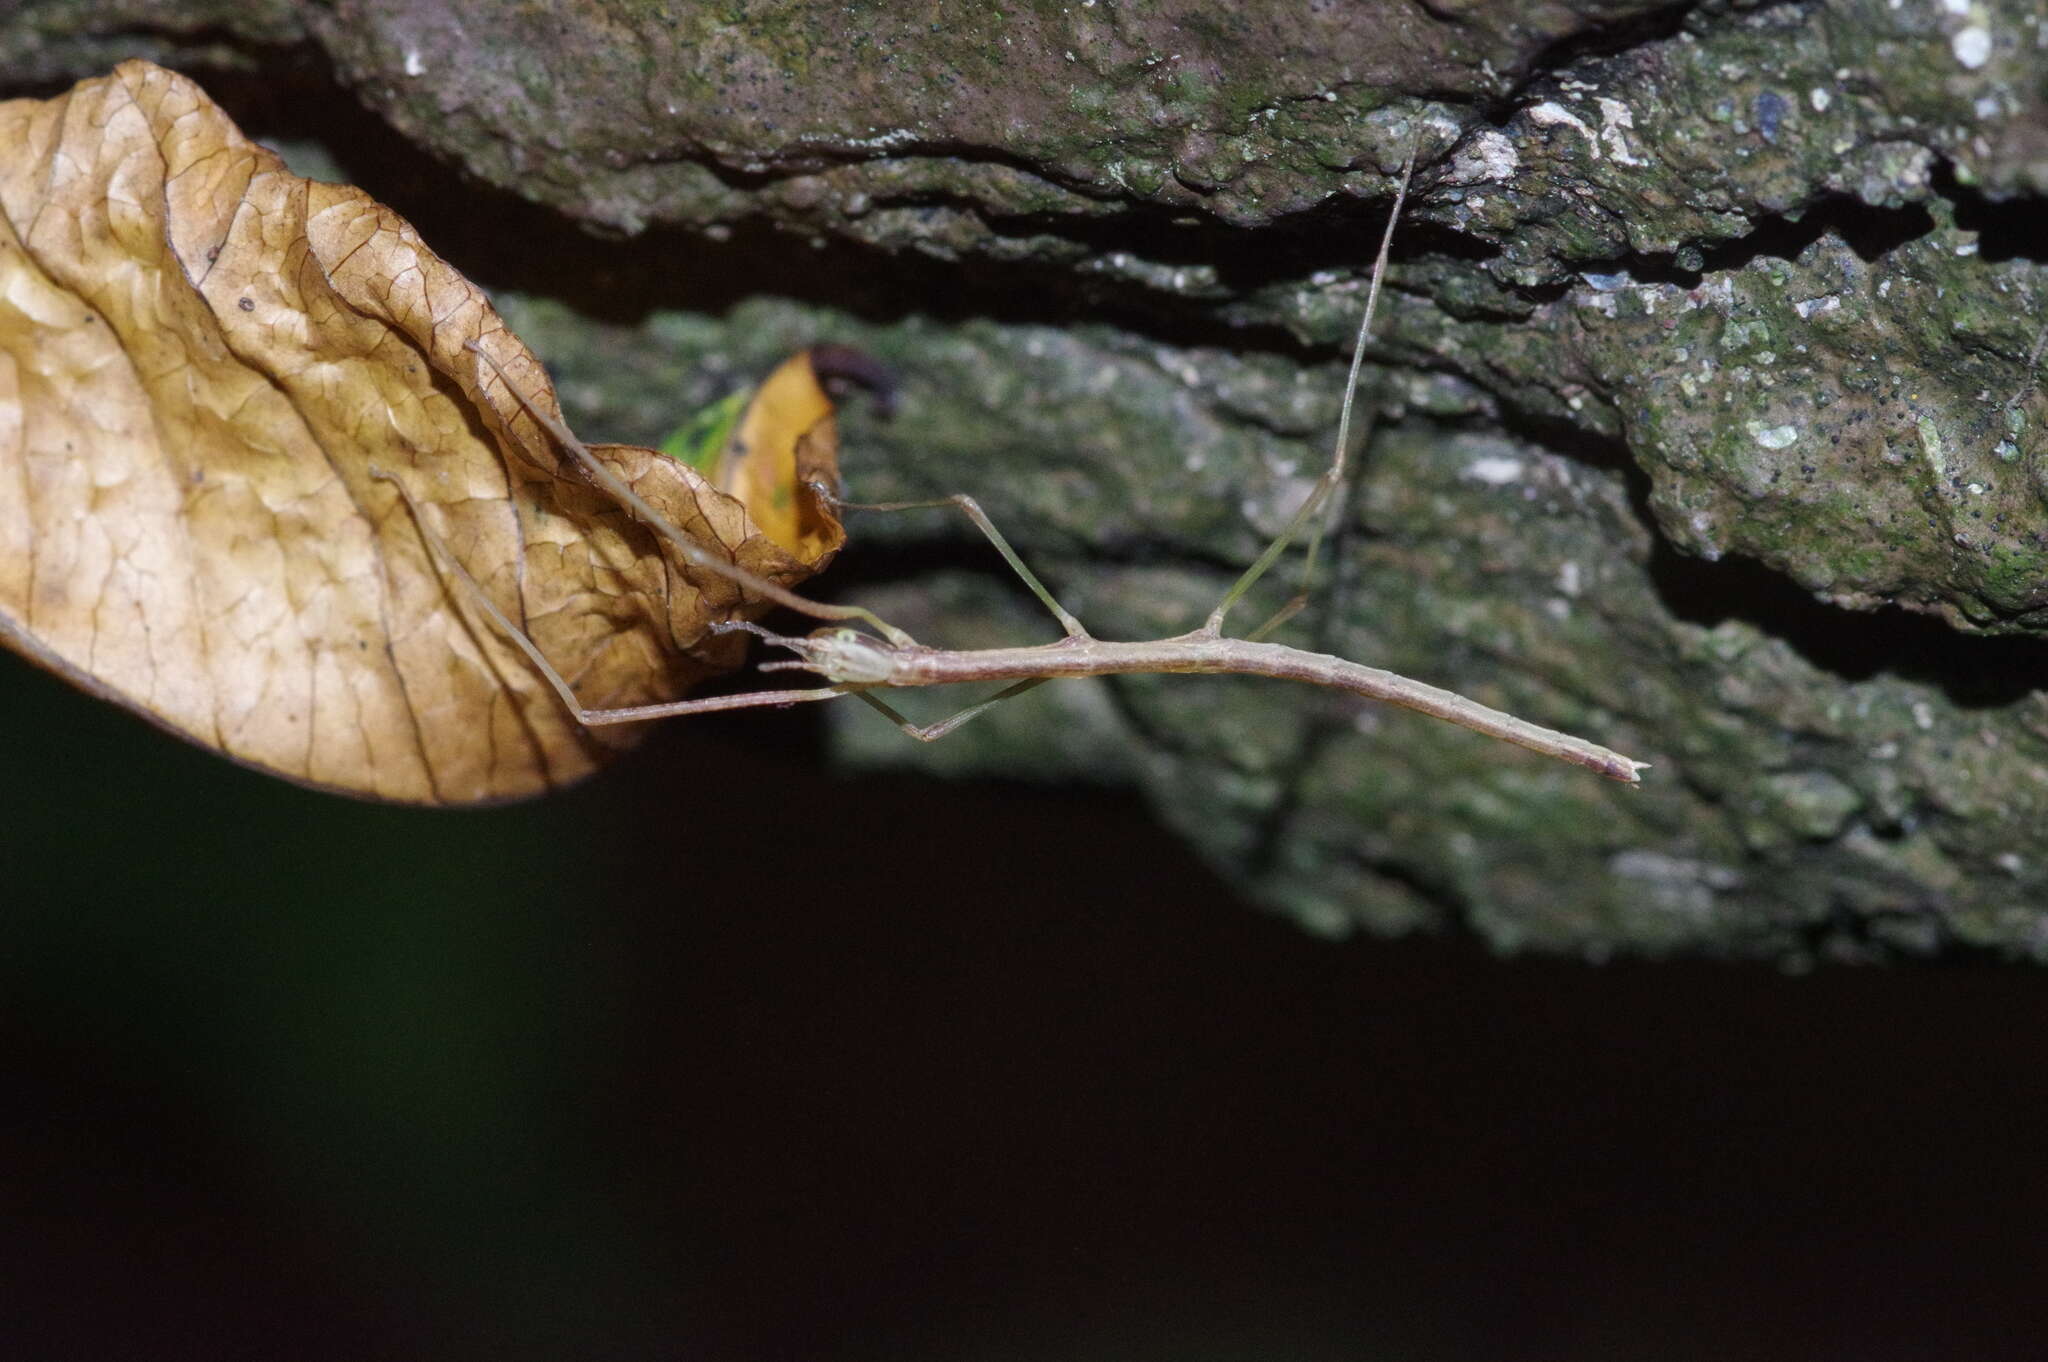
[(203, 358)]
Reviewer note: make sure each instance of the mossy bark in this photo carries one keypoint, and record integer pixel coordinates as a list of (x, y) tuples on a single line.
[(1707, 412)]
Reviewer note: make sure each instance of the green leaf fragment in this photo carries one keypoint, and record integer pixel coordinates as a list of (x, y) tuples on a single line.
[(700, 440)]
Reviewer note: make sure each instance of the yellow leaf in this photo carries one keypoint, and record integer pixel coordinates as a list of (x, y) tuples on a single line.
[(774, 454), (205, 360)]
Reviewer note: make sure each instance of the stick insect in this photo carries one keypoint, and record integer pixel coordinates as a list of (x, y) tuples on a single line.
[(858, 653)]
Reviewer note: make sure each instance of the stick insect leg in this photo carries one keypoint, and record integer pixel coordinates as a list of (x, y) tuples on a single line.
[(1299, 600), (589, 718), (690, 550), (1333, 477), (934, 732), (971, 508)]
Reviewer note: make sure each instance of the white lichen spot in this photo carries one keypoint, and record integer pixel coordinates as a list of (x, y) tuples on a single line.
[(1551, 114), (1972, 46), (2010, 862), (1614, 119), (895, 137), (1495, 470), (1819, 98), (1931, 446), (1968, 248), (415, 65), (1772, 437), (1489, 157), (1717, 293), (1569, 579), (1923, 716), (1976, 489), (1817, 307), (1956, 7), (1702, 524), (1676, 887)]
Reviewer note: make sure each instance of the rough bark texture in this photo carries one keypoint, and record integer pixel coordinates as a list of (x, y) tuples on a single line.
[(1710, 428)]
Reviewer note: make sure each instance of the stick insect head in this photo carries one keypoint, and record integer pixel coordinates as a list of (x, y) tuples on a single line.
[(843, 656), (848, 657)]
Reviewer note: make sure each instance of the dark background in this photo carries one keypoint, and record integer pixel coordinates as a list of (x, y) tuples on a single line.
[(718, 1057)]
